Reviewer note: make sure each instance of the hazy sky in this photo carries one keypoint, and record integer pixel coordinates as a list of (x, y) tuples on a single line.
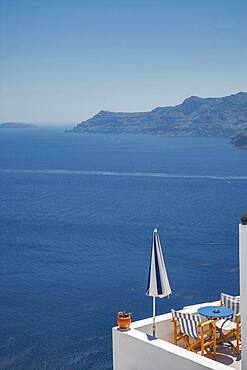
[(64, 60)]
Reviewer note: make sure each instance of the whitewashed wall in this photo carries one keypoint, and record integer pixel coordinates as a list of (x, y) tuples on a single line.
[(133, 350)]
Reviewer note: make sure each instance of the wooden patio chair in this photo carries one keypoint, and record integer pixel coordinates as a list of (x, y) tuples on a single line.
[(194, 332), (231, 329)]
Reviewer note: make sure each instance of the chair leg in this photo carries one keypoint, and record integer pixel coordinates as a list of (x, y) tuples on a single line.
[(186, 340), (238, 339), (202, 346), (228, 338), (214, 341), (175, 341)]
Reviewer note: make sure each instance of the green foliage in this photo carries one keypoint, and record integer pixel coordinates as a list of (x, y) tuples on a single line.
[(124, 314)]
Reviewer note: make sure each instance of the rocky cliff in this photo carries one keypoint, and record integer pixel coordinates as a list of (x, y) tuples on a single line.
[(217, 117)]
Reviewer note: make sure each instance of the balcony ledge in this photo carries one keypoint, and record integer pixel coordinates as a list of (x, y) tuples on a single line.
[(137, 349)]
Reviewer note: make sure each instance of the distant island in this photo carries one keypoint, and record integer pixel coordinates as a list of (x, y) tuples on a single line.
[(17, 125), (195, 116)]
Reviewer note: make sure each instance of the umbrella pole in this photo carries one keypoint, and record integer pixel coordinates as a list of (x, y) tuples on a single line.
[(153, 316)]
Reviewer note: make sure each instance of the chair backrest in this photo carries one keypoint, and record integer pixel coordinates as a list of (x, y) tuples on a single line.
[(232, 302), (188, 322)]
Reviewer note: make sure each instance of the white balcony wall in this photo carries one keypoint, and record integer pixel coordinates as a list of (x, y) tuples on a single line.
[(136, 350)]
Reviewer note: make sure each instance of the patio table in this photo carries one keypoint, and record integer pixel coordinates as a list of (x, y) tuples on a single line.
[(216, 313)]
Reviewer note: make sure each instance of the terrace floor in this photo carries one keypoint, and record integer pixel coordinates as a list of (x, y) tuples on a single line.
[(227, 357)]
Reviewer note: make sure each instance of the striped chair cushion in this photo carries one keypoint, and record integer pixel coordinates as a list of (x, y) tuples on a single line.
[(226, 325), (232, 302), (188, 322)]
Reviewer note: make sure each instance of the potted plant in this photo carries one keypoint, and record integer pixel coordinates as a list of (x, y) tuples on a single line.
[(124, 320)]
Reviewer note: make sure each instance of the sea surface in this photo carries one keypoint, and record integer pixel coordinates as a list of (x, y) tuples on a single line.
[(76, 220)]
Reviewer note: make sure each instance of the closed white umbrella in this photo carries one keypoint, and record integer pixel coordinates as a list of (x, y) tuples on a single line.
[(158, 283)]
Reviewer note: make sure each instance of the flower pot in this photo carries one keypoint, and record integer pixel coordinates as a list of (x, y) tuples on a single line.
[(124, 321)]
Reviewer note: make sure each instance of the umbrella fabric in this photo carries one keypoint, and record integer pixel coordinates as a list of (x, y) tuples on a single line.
[(158, 283)]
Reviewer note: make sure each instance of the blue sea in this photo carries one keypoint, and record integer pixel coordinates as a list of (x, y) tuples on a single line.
[(76, 220)]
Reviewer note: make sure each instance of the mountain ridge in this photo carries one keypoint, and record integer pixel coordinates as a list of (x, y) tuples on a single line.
[(195, 116)]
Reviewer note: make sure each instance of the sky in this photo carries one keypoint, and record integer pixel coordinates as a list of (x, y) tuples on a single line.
[(65, 60)]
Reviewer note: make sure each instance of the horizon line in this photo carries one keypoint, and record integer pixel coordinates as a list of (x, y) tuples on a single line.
[(75, 122)]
